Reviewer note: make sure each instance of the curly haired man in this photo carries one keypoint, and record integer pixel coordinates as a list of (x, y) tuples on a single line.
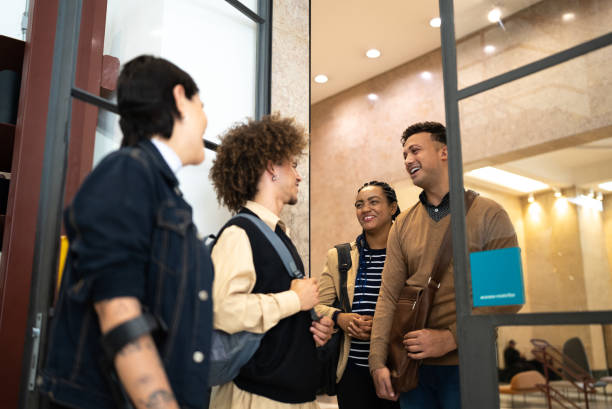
[(255, 172)]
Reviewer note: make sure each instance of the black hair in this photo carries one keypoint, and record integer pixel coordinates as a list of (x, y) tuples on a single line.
[(436, 129), (387, 190), (145, 99)]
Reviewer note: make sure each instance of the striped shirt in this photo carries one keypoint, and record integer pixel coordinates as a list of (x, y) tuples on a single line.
[(367, 286)]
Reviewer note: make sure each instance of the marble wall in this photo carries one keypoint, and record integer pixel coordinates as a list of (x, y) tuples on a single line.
[(354, 140), (290, 97)]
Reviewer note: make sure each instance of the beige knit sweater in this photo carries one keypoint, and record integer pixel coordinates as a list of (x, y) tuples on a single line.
[(412, 246)]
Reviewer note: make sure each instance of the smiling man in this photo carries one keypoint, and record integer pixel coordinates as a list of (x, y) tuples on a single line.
[(414, 243)]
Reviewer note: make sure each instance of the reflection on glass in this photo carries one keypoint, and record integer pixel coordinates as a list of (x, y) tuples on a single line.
[(212, 41), (495, 37), (572, 357), (11, 19), (554, 128)]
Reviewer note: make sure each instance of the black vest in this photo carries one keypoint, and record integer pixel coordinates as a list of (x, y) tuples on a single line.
[(285, 367)]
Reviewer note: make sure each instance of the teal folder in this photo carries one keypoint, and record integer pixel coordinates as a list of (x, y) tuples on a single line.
[(497, 277)]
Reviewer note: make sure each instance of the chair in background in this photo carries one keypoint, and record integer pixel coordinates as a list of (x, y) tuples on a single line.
[(523, 383)]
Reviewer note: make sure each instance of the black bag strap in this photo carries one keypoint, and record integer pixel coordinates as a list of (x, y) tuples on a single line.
[(446, 249), (344, 265)]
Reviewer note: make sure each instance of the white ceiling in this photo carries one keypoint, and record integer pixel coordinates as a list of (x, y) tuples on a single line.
[(343, 30)]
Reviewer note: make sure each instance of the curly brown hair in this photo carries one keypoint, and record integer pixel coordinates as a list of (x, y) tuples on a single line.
[(244, 153)]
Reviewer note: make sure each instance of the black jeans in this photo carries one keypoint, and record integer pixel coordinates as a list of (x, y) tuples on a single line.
[(356, 390)]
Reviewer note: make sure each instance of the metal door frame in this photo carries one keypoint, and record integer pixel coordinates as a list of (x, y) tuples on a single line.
[(476, 333), (55, 161)]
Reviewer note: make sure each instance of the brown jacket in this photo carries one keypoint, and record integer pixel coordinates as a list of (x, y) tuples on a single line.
[(412, 246)]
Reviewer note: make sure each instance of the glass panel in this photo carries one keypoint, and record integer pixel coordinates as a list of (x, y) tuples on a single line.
[(571, 350), (527, 30), (216, 45), (11, 18), (554, 127)]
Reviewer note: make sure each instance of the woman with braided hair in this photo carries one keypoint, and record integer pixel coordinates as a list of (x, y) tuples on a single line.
[(376, 207)]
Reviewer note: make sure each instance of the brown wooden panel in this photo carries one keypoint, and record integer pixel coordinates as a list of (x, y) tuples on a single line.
[(22, 208), (89, 78), (28, 152)]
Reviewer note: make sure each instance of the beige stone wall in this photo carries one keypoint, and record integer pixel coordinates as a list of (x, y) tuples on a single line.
[(290, 97), (354, 140)]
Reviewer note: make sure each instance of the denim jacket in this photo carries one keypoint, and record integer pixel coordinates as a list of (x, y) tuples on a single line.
[(131, 234)]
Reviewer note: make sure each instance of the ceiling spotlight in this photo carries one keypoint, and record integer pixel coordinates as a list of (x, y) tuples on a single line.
[(530, 198), (489, 49), (373, 53), (426, 75), (321, 79), (606, 186), (435, 22), (494, 15), (372, 97), (599, 196), (557, 192), (568, 17)]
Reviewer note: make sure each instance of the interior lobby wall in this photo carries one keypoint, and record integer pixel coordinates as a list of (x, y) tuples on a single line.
[(354, 140)]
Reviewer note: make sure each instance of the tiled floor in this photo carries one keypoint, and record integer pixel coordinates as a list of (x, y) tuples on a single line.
[(537, 401), (533, 401)]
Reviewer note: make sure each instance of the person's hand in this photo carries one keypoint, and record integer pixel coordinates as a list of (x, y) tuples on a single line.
[(307, 290), (382, 383), (355, 325), (361, 327), (429, 343), (322, 330)]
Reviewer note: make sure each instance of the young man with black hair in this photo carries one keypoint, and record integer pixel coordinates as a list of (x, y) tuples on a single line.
[(413, 245), (255, 172), (135, 262)]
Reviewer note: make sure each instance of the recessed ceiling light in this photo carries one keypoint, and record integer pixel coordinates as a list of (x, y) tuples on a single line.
[(489, 49), (321, 79), (507, 179), (569, 16), (606, 186), (372, 97), (494, 15), (435, 22), (373, 53), (426, 75)]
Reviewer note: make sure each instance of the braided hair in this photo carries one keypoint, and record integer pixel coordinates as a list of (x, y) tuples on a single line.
[(387, 190)]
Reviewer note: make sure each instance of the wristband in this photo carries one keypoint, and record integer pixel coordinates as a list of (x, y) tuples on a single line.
[(335, 317)]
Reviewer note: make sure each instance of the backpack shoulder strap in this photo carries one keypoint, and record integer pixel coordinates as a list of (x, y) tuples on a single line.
[(275, 241), (344, 265)]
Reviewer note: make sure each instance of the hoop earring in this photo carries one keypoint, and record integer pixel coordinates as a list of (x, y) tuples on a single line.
[(274, 178)]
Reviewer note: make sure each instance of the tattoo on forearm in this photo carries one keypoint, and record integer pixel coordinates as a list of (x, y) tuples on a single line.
[(158, 399)]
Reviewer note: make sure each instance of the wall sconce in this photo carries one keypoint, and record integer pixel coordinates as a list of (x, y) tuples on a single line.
[(530, 198)]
